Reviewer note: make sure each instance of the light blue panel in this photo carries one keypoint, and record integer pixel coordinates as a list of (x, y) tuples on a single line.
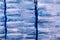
[(2, 20), (48, 20), (20, 20)]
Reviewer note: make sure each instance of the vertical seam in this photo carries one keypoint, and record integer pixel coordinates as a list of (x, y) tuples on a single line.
[(5, 19), (36, 19)]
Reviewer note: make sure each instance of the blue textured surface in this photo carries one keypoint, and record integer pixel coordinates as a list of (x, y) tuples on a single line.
[(20, 20), (26, 20), (48, 20)]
